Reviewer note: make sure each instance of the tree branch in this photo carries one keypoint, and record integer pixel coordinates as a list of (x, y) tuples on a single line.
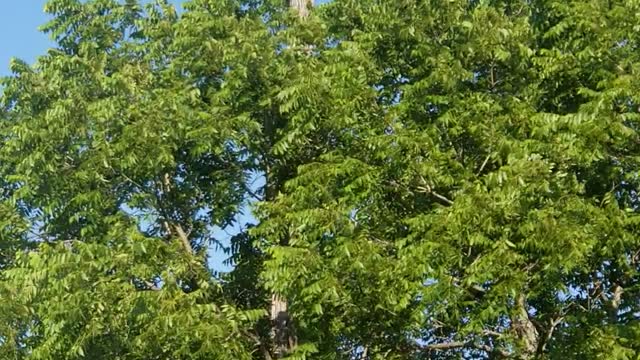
[(553, 324), (427, 189), (184, 239), (446, 346), (253, 194), (442, 198), (461, 344), (365, 351), (484, 163), (182, 235), (151, 286)]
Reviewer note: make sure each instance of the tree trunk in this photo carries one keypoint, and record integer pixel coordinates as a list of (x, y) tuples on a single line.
[(302, 6), (525, 330), (282, 332)]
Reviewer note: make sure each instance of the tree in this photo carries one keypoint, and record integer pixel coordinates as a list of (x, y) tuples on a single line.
[(441, 180), (119, 173), (484, 204)]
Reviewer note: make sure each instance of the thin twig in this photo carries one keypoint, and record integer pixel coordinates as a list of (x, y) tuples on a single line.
[(427, 189), (253, 194), (441, 197), (484, 163)]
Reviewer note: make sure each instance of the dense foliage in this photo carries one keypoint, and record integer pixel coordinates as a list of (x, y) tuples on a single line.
[(429, 179)]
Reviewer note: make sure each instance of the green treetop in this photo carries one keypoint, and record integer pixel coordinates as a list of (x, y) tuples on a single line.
[(443, 179)]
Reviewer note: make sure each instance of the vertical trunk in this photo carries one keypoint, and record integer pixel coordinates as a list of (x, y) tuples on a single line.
[(282, 333), (302, 6), (279, 315), (282, 336), (525, 330), (613, 307)]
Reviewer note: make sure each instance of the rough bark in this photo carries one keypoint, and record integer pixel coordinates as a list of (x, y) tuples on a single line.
[(170, 228), (525, 330), (283, 338), (302, 6), (279, 314), (614, 303)]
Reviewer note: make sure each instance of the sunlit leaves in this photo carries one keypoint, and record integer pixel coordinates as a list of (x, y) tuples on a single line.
[(436, 179)]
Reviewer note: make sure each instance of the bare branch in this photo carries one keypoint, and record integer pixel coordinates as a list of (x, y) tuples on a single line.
[(461, 344), (363, 356), (253, 194), (184, 239), (427, 189), (447, 346), (182, 235), (553, 323), (492, 333), (484, 163), (151, 286), (442, 198)]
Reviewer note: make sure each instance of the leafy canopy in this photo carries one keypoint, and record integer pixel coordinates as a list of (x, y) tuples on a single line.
[(437, 179)]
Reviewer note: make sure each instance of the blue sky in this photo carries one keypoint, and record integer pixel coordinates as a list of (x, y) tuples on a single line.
[(19, 35)]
